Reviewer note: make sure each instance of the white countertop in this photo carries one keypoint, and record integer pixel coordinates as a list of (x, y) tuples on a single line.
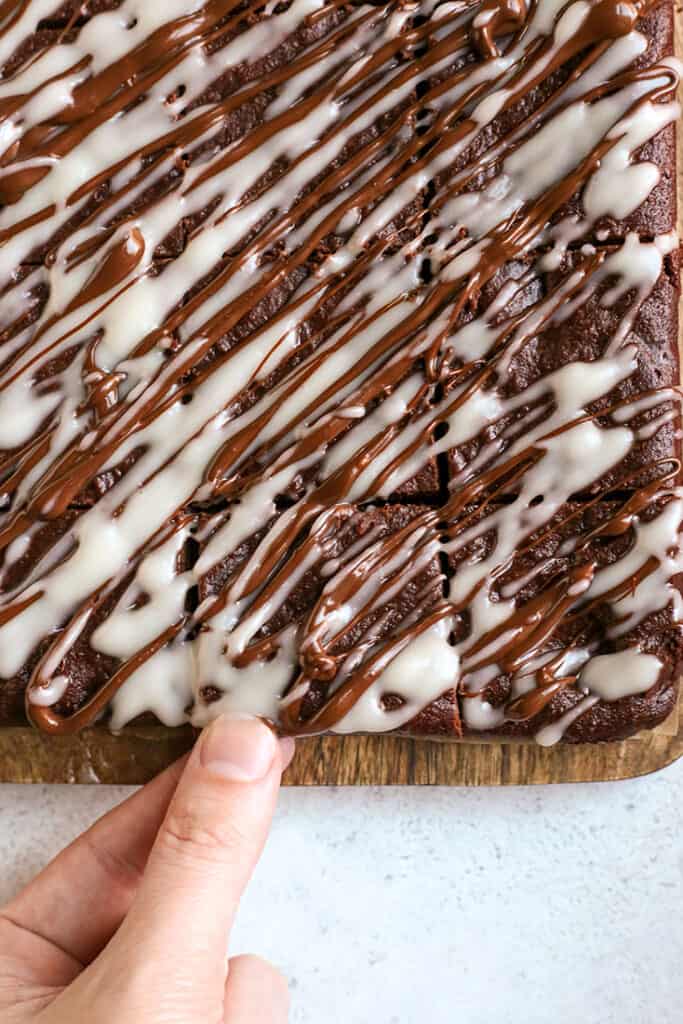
[(436, 906)]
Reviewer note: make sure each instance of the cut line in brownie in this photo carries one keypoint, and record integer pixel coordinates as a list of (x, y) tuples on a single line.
[(296, 297)]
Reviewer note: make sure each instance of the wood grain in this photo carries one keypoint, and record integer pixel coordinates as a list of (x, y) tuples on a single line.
[(137, 754)]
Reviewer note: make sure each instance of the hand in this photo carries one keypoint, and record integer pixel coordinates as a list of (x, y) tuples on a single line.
[(131, 922)]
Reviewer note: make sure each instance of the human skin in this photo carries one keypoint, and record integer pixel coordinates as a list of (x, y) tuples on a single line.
[(132, 921)]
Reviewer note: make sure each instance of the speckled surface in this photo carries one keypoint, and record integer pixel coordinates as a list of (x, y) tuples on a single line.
[(418, 906)]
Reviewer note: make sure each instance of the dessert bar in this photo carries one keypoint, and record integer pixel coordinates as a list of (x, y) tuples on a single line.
[(339, 365)]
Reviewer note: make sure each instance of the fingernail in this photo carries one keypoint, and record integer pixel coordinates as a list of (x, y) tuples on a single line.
[(238, 748), (287, 748)]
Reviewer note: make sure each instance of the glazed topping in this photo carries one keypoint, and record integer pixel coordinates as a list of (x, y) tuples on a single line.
[(270, 270)]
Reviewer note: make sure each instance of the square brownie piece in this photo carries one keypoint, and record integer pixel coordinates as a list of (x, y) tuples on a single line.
[(598, 314)]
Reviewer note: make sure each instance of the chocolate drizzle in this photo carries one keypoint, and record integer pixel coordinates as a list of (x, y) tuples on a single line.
[(274, 243)]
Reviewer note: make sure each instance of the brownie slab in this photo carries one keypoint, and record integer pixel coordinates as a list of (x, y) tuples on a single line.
[(338, 367)]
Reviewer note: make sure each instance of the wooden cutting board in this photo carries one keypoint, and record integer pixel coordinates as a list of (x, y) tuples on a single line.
[(136, 755)]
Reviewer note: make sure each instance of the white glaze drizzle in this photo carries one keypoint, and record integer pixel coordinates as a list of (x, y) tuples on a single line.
[(116, 541)]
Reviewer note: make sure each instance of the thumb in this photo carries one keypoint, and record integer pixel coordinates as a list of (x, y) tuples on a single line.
[(176, 933)]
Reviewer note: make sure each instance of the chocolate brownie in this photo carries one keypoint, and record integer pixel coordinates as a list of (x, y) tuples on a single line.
[(338, 366), (647, 40), (587, 320)]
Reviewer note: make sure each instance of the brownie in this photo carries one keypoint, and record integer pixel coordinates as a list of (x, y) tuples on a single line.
[(590, 533), (657, 213), (598, 314), (338, 368)]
